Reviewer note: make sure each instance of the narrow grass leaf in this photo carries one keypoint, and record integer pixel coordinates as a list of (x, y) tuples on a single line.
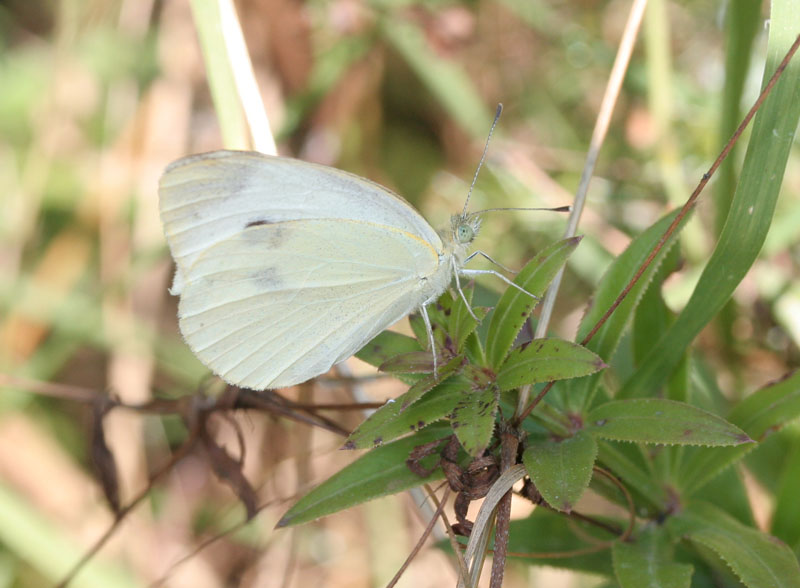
[(750, 213), (445, 80)]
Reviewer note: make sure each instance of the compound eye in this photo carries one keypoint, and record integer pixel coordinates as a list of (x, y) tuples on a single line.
[(465, 234)]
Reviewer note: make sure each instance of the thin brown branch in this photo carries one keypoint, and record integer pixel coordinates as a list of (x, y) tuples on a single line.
[(425, 534)]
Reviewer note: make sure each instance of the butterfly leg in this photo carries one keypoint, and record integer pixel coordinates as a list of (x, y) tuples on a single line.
[(463, 297), (474, 272), (485, 255), (426, 319)]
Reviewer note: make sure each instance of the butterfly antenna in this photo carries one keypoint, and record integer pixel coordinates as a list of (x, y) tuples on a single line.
[(485, 149)]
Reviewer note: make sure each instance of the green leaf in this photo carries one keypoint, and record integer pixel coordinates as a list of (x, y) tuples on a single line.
[(646, 562), (221, 78), (542, 360), (766, 410), (515, 307), (426, 384), (656, 420), (769, 408), (635, 475), (391, 421), (750, 213), (756, 558), (624, 267), (462, 323), (547, 533), (473, 419), (380, 472), (786, 515), (415, 362), (385, 346), (561, 470)]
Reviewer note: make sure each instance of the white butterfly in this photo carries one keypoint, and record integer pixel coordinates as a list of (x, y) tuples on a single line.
[(285, 268)]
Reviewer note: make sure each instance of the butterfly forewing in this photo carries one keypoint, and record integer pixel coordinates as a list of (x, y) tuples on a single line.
[(208, 198)]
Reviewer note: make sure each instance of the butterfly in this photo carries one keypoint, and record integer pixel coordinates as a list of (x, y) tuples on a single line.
[(285, 268)]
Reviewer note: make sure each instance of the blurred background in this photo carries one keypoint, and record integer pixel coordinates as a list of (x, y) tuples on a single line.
[(98, 96)]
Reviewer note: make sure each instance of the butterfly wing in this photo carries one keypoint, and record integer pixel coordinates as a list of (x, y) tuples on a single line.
[(208, 198), (277, 304)]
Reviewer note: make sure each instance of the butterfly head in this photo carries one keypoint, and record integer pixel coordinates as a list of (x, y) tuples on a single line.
[(465, 228)]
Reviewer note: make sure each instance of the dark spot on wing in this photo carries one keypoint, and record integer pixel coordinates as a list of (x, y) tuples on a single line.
[(258, 223), (265, 233), (267, 278)]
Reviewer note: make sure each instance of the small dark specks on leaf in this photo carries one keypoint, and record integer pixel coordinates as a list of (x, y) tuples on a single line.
[(687, 432), (377, 441), (447, 312), (413, 427), (601, 422), (540, 346), (455, 424), (349, 445), (742, 438), (420, 424), (524, 346)]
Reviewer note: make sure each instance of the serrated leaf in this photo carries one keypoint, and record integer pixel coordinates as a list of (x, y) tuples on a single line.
[(380, 472), (542, 360), (473, 419), (756, 558), (667, 422), (646, 562), (515, 307), (427, 383), (770, 408), (561, 470), (415, 362), (391, 421)]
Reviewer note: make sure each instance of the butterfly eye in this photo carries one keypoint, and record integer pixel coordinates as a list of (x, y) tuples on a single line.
[(465, 233)]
